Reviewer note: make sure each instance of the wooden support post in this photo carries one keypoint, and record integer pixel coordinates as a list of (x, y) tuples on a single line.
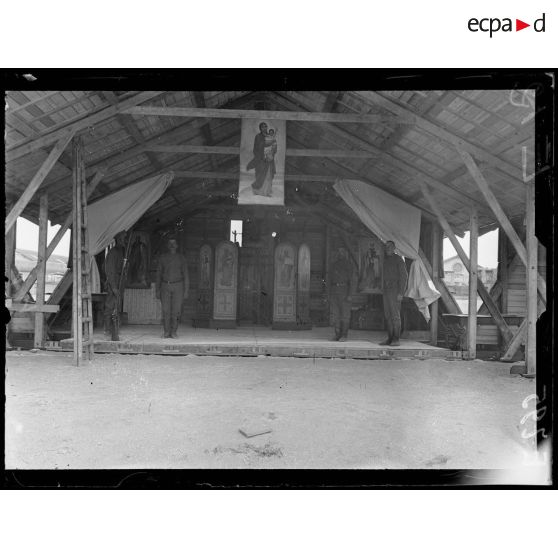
[(39, 340), (77, 310), (9, 257), (502, 218), (326, 269), (31, 278), (37, 180), (515, 343), (447, 298), (532, 273), (487, 299), (473, 279), (503, 270), (436, 241)]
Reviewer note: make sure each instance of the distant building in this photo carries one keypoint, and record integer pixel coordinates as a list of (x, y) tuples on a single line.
[(26, 260), (456, 275)]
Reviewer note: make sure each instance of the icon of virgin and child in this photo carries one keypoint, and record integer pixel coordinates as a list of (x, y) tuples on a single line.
[(265, 148)]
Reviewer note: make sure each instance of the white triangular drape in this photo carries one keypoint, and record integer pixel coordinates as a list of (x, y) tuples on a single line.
[(118, 212), (389, 218)]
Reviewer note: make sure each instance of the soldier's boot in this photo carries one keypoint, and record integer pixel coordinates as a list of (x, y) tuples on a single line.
[(174, 327), (107, 327), (337, 334), (344, 331), (389, 337), (396, 334), (166, 327)]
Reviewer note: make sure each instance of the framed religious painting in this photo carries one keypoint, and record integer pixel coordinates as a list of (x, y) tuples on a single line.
[(139, 261), (262, 162), (370, 265)]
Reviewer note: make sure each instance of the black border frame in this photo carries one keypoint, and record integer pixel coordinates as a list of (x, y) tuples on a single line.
[(543, 81)]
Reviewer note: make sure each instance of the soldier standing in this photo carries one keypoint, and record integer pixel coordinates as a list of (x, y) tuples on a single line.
[(340, 280), (171, 287), (113, 271), (394, 285)]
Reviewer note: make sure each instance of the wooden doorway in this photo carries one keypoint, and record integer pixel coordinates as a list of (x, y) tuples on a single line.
[(255, 291)]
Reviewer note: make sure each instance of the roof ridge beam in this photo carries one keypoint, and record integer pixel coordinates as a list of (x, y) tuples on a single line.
[(197, 112)]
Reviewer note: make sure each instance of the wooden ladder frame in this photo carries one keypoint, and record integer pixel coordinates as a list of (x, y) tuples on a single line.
[(82, 314)]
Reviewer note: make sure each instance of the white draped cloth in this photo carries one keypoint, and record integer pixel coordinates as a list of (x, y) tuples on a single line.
[(390, 218), (118, 212)]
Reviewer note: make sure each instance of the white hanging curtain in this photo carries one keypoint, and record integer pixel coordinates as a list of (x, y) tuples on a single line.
[(389, 218), (118, 212)]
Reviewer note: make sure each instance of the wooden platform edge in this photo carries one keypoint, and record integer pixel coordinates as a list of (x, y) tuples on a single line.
[(205, 349)]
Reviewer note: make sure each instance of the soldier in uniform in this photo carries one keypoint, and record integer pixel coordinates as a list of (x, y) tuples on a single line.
[(340, 279), (394, 285), (171, 287), (113, 270)]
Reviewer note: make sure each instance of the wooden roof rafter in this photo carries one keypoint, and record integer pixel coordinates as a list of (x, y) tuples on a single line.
[(129, 124), (112, 160), (26, 147), (403, 165), (450, 136)]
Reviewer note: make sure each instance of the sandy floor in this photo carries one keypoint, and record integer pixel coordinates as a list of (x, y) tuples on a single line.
[(140, 411)]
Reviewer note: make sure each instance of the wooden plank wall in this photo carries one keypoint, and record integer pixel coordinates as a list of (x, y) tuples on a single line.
[(142, 306), (517, 286), (259, 222)]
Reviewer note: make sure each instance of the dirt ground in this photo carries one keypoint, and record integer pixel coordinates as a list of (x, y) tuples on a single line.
[(148, 411)]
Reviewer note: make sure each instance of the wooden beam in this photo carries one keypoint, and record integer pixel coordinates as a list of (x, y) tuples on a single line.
[(46, 308), (9, 255), (39, 338), (21, 149), (411, 170), (440, 132), (199, 98), (131, 127), (113, 160), (491, 305), (495, 293), (230, 150), (436, 244), (504, 269), (37, 180), (341, 169), (332, 153), (502, 218), (32, 277), (196, 112), (516, 342), (214, 149), (447, 298), (61, 288), (532, 274), (473, 280), (331, 101), (77, 256), (236, 176), (17, 108)]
